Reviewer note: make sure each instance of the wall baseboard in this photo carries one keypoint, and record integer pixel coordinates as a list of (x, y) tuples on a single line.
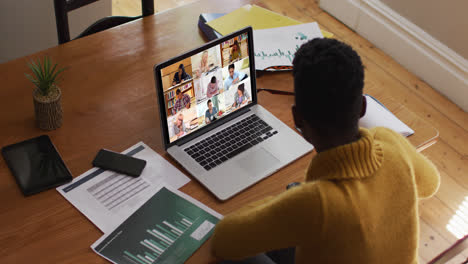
[(425, 56)]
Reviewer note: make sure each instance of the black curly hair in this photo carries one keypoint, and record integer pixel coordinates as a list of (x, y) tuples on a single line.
[(328, 83)]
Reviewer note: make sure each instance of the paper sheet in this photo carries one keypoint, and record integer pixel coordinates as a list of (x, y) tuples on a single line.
[(108, 198), (277, 46), (377, 115)]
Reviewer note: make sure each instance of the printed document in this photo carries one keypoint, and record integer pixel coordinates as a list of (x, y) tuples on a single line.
[(170, 227), (277, 46), (108, 198)]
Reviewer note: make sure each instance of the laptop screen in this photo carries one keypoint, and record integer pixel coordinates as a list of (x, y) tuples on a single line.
[(203, 87)]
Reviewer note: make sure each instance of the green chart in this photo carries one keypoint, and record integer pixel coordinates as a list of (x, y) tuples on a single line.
[(166, 229)]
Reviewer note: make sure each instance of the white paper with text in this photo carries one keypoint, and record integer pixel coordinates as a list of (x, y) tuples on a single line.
[(108, 198)]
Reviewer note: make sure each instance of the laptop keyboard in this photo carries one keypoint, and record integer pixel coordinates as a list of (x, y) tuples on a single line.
[(229, 142)]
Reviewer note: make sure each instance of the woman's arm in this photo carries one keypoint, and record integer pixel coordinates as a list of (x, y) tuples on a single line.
[(287, 220)]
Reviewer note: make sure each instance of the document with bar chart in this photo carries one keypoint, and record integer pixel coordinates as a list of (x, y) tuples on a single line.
[(168, 228), (108, 198)]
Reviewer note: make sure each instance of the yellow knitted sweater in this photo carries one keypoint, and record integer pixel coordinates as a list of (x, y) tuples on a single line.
[(358, 205)]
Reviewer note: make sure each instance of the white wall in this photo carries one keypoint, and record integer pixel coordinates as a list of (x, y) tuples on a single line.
[(445, 69), (447, 21), (28, 26)]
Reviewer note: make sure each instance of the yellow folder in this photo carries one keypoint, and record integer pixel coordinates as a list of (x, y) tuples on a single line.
[(255, 16)]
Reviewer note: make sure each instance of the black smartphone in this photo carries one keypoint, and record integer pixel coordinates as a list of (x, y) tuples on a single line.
[(118, 162)]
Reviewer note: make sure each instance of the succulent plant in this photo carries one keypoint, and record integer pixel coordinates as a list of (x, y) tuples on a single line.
[(44, 75)]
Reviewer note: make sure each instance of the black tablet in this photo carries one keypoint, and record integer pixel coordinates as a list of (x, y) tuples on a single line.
[(36, 165)]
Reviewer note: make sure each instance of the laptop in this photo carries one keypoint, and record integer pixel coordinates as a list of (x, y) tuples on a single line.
[(211, 121)]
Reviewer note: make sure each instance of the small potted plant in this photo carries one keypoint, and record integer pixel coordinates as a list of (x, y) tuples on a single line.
[(46, 95)]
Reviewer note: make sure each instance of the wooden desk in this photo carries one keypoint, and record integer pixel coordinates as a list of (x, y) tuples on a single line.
[(109, 101)]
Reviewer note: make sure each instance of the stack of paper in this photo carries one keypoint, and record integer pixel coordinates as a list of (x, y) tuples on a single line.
[(145, 219), (254, 16)]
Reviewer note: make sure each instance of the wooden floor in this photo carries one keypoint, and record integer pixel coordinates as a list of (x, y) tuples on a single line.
[(450, 154)]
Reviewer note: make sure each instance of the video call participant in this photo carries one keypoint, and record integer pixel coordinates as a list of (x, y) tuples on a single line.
[(212, 88), (179, 126), (234, 77), (182, 100), (241, 96), (359, 201), (211, 112), (204, 66), (235, 52), (180, 75)]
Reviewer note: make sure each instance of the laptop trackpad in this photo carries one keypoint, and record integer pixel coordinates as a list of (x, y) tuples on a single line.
[(256, 162)]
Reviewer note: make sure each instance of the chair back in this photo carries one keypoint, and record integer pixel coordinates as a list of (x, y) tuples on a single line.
[(62, 7)]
